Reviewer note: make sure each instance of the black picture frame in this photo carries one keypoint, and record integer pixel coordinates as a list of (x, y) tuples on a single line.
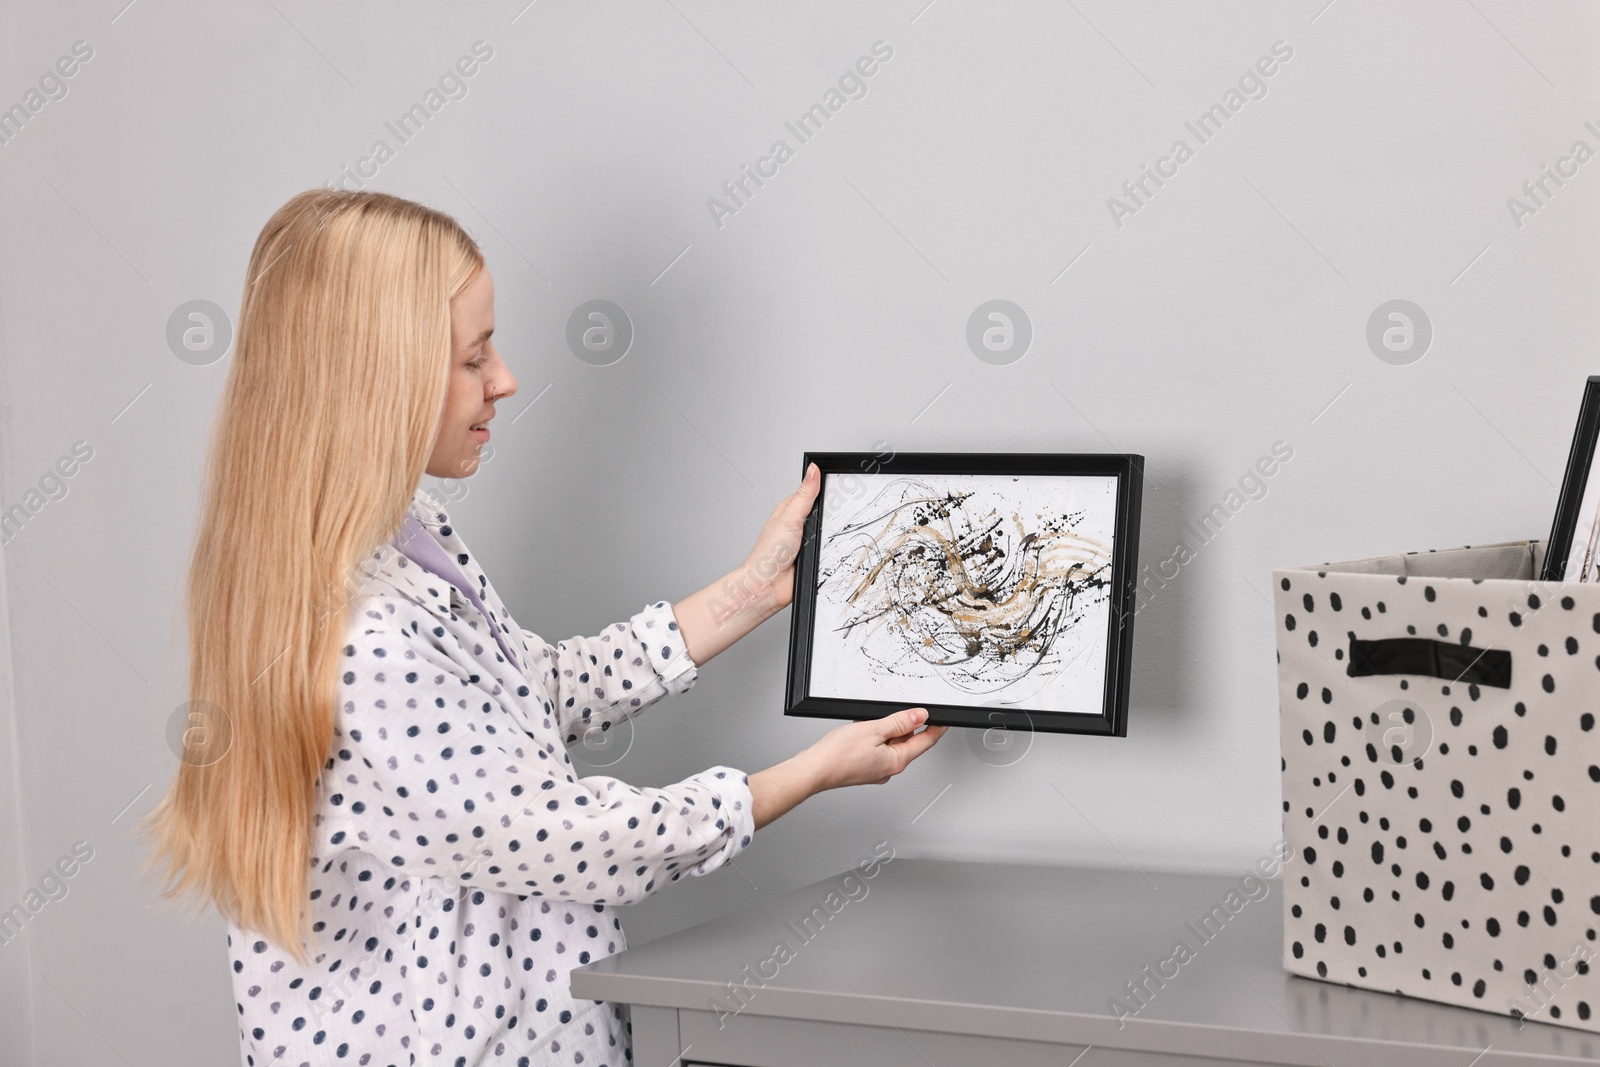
[(1574, 485), (1109, 719)]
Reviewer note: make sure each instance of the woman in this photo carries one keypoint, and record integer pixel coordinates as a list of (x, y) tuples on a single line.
[(375, 792)]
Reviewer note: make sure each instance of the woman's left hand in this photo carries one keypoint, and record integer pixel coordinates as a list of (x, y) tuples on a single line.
[(723, 612), (768, 572)]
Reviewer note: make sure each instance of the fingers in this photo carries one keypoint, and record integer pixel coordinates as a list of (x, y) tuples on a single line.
[(909, 748), (935, 732)]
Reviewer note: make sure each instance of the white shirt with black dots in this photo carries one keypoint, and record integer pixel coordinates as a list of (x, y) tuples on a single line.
[(459, 868)]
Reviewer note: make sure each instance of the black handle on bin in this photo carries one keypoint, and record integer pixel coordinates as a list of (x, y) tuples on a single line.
[(1434, 659)]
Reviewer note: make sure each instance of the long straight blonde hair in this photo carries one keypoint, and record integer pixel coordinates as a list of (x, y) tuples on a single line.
[(330, 412)]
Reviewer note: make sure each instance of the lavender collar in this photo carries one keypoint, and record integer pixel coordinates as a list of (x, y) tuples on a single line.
[(420, 547)]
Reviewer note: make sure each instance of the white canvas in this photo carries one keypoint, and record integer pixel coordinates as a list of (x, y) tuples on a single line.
[(1583, 560), (893, 624)]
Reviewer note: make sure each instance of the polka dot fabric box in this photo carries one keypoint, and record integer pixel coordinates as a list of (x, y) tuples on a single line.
[(1441, 779)]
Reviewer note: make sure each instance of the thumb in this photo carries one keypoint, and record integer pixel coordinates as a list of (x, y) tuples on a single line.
[(799, 503), (903, 722), (810, 481)]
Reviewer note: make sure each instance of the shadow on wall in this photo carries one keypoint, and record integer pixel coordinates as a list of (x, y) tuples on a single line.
[(1181, 527), (1164, 647)]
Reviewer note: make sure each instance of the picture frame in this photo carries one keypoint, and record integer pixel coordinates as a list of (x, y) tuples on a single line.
[(1575, 534), (993, 589)]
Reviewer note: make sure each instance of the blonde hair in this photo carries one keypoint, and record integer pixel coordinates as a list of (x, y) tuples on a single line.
[(330, 412)]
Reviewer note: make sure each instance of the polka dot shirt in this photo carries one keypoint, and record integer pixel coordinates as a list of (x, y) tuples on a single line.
[(459, 869)]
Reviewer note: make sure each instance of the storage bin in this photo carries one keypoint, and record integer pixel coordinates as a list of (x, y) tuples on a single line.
[(1441, 779)]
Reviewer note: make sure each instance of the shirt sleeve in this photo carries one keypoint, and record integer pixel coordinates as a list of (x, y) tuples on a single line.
[(597, 682), (423, 778)]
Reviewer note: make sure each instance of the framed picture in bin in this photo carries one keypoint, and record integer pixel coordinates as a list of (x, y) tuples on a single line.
[(1573, 552), (993, 589)]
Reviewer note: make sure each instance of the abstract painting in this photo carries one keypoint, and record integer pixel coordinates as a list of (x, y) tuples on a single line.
[(971, 582)]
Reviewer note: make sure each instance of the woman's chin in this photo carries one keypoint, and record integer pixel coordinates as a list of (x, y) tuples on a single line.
[(463, 466)]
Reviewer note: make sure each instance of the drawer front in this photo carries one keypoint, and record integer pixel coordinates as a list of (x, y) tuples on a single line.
[(763, 1041)]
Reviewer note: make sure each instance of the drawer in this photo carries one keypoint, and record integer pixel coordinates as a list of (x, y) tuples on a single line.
[(764, 1041)]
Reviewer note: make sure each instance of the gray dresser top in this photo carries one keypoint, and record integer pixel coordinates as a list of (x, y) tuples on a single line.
[(1037, 953)]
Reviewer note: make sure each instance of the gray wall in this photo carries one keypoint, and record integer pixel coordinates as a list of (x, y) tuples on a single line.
[(1228, 312)]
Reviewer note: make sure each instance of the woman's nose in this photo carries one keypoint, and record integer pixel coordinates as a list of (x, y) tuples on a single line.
[(504, 386)]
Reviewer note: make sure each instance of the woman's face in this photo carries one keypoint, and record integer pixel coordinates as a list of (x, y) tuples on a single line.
[(476, 374)]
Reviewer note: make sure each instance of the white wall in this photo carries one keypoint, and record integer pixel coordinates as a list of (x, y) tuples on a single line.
[(1228, 313)]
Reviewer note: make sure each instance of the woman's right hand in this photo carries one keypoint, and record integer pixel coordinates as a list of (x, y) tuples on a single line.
[(872, 750)]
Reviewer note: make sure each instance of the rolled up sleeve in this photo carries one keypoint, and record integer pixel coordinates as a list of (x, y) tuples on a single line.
[(597, 682)]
